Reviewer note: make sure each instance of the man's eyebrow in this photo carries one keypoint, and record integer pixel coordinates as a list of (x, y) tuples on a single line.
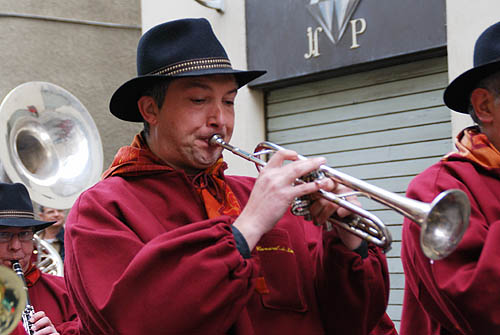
[(202, 85), (197, 84), (232, 91)]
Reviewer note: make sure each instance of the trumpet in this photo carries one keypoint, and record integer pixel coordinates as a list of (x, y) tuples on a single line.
[(29, 310), (443, 222)]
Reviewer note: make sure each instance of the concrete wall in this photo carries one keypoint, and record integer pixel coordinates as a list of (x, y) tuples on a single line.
[(230, 29), (466, 20), (90, 60)]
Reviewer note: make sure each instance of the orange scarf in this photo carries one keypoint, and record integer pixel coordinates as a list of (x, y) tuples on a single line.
[(138, 160), (475, 146)]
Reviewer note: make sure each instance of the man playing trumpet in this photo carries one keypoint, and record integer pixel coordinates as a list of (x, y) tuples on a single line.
[(54, 313), (169, 240)]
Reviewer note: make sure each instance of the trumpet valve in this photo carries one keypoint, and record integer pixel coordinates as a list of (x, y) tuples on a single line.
[(300, 207)]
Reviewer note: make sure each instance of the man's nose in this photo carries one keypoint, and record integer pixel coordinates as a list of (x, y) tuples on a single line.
[(216, 116), (15, 242)]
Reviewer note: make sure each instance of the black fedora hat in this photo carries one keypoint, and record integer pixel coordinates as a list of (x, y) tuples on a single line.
[(175, 49), (486, 62), (16, 209)]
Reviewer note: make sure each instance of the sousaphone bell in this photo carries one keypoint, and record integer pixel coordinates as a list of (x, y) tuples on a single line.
[(50, 143)]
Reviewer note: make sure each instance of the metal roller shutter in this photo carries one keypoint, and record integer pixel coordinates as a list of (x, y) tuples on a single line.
[(383, 126)]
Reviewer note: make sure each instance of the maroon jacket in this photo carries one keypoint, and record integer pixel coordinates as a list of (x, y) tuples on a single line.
[(459, 294), (142, 258), (49, 294)]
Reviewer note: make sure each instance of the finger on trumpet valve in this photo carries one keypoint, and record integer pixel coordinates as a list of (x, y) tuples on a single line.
[(300, 207)]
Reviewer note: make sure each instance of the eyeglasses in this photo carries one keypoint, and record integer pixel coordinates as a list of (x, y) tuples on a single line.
[(23, 236)]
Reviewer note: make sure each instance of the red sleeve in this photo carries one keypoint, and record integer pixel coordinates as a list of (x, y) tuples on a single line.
[(459, 292), (351, 290), (49, 294), (194, 269)]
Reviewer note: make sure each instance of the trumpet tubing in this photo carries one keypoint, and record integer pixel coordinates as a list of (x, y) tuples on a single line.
[(443, 221)]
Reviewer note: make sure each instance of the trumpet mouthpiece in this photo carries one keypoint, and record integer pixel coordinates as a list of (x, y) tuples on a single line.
[(216, 139)]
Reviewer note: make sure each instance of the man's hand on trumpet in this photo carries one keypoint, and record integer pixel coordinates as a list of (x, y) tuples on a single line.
[(274, 191), (321, 210), (276, 188)]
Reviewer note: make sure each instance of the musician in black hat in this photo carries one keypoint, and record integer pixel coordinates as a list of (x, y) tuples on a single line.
[(53, 311), (176, 246), (459, 295)]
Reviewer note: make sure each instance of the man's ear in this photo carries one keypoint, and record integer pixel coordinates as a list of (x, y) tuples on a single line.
[(148, 109), (482, 101)]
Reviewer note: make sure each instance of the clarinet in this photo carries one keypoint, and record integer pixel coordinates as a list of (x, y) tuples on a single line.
[(29, 310)]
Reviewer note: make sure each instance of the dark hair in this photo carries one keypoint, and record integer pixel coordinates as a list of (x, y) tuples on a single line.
[(490, 83), (157, 92)]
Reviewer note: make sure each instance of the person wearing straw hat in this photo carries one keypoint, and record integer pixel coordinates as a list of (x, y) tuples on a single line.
[(459, 295), (180, 248), (54, 312)]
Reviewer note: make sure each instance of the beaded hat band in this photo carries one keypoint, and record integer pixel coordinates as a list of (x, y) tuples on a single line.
[(175, 49), (16, 208)]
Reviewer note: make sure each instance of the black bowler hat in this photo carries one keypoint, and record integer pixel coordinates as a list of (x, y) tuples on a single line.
[(486, 62), (175, 49), (16, 209)]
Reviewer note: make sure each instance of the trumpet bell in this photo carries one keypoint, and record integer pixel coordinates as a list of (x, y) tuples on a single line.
[(12, 300), (445, 224), (49, 142)]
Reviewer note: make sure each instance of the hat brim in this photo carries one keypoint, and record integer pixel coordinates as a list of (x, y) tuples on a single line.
[(457, 94), (24, 223), (123, 103)]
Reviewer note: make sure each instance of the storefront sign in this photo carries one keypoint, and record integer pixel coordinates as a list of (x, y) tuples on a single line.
[(294, 39)]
